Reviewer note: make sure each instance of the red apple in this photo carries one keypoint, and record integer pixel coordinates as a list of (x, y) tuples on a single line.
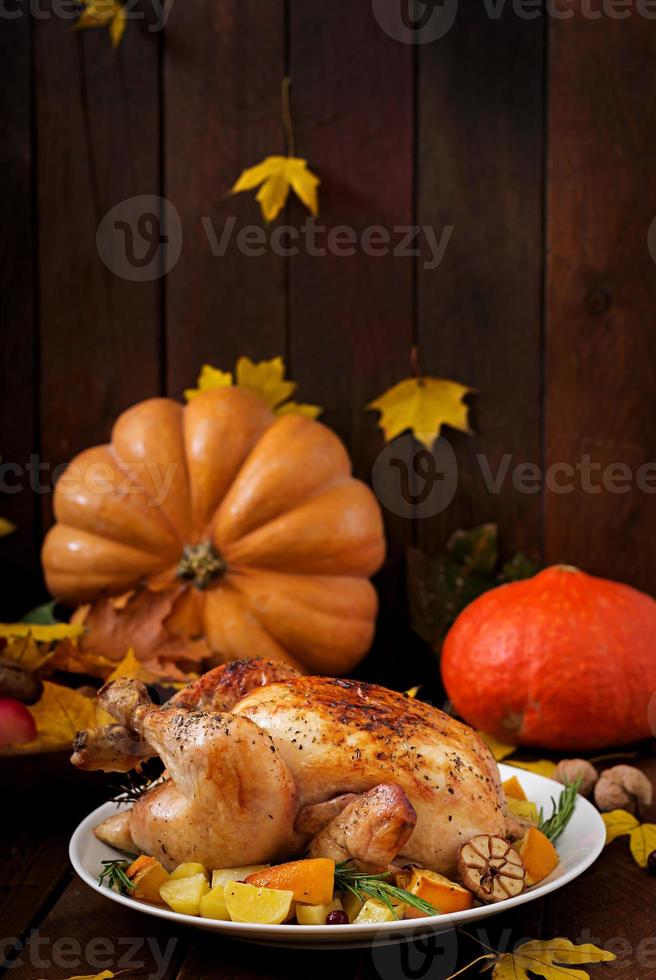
[(16, 723)]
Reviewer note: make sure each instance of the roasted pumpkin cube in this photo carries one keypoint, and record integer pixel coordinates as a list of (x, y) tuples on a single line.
[(513, 789), (312, 881), (538, 855), (147, 876), (444, 895)]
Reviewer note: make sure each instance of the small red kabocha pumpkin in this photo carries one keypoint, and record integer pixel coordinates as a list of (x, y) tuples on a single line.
[(563, 660)]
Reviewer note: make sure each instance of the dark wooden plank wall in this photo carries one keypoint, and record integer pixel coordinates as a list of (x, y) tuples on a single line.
[(528, 149)]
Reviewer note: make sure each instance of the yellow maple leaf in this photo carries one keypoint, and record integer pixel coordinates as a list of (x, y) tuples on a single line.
[(6, 527), (129, 666), (59, 714), (619, 823), (299, 408), (643, 842), (263, 378), (543, 767), (105, 975), (552, 959), (500, 750), (24, 650), (208, 379), (266, 379), (276, 175), (422, 405), (103, 13), (414, 691), (42, 633)]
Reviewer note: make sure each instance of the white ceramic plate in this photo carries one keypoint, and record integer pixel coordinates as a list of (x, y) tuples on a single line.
[(578, 847)]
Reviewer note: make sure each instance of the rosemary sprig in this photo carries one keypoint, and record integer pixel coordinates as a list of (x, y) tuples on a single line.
[(113, 875), (553, 826), (363, 886)]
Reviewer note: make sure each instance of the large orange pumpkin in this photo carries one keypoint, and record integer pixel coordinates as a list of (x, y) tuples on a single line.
[(563, 660), (254, 520)]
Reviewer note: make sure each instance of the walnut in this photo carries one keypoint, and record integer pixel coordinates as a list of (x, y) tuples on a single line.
[(623, 788), (491, 868), (569, 770)]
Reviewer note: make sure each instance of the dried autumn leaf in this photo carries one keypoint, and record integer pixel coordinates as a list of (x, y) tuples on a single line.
[(6, 527), (143, 620), (209, 379), (69, 658), (553, 959), (422, 405), (105, 975), (276, 175), (500, 750), (103, 13), (414, 691), (619, 823), (264, 378), (643, 842), (267, 379), (59, 714), (42, 634), (543, 767), (25, 651), (441, 585)]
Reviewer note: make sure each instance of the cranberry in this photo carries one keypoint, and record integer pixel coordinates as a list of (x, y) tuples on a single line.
[(337, 918), (651, 863)]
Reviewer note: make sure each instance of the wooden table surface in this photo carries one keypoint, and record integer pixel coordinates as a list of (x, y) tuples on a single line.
[(54, 926)]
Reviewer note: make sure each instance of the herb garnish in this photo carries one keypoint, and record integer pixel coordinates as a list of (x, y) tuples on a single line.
[(114, 876), (363, 886), (553, 826)]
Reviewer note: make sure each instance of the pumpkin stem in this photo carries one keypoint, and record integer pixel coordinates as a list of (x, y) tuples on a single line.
[(201, 563)]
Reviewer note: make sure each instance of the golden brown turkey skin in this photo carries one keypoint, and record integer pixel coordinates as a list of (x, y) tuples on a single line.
[(339, 736), (301, 741)]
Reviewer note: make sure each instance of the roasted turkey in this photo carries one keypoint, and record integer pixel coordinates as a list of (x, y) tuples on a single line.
[(263, 764)]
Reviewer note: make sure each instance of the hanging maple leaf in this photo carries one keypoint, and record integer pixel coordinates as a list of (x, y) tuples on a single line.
[(642, 836), (264, 378), (275, 176), (103, 13), (422, 405), (208, 379), (552, 959)]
